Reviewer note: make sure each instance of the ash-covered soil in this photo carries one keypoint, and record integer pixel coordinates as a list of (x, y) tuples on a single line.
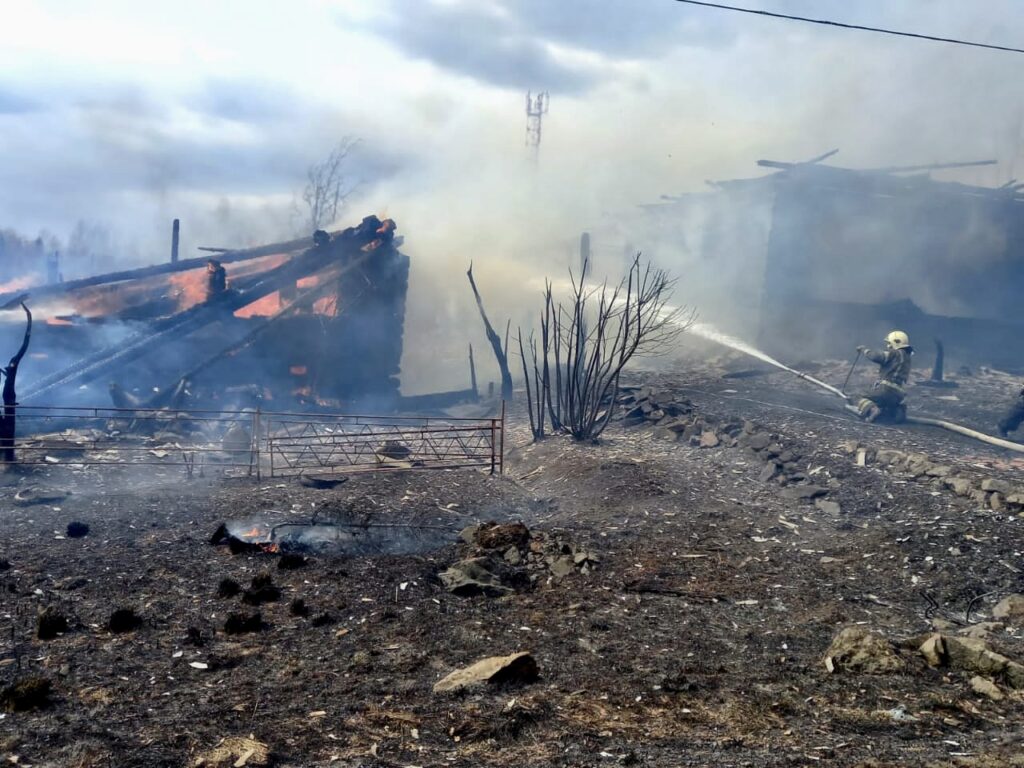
[(678, 604)]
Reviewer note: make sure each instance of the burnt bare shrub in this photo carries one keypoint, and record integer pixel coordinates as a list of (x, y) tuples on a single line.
[(194, 636), (299, 608), (26, 694), (51, 623), (228, 588), (5, 564), (124, 620), (572, 370), (289, 561), (261, 591), (323, 620), (77, 530), (241, 623)]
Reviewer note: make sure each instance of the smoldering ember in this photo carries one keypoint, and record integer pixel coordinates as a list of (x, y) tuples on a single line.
[(732, 476)]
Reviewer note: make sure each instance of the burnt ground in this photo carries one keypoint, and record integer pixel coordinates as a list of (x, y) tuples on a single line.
[(697, 638)]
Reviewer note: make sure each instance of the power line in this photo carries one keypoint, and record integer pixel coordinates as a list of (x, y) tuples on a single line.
[(827, 23)]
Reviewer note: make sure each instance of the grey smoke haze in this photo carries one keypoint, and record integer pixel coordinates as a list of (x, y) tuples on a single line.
[(130, 115)]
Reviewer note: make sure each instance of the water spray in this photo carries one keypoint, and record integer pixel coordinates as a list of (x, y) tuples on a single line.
[(710, 333)]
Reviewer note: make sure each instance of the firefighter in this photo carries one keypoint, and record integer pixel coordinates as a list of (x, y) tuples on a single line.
[(1014, 417), (886, 398)]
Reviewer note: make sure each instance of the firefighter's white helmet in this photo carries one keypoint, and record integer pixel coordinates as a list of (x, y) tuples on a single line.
[(897, 340)]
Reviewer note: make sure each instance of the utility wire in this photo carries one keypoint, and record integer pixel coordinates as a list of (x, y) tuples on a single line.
[(827, 23)]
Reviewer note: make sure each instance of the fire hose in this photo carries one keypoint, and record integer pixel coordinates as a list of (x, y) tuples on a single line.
[(947, 425)]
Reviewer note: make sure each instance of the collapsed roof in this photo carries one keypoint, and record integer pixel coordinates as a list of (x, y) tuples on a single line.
[(316, 320)]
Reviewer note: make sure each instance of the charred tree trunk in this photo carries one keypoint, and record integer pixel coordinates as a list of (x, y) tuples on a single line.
[(494, 339), (8, 420)]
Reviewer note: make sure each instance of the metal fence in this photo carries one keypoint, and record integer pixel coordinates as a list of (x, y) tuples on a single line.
[(253, 442)]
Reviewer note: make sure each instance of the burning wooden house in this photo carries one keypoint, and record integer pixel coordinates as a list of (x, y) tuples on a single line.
[(312, 321), (813, 259)]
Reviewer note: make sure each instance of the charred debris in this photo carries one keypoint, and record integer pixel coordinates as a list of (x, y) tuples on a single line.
[(815, 256), (314, 322)]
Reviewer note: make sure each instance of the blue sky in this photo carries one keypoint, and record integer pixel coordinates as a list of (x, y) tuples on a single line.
[(132, 113)]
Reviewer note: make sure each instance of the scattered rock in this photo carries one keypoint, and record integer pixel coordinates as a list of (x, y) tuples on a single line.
[(26, 694), (468, 534), (759, 441), (996, 486), (393, 449), (938, 470), (933, 650), (124, 620), (986, 687), (38, 494), (77, 530), (240, 623), (971, 654), (666, 433), (770, 472), (321, 483), (474, 576), (856, 649), (961, 486), (512, 556), (889, 457), (981, 630), (804, 492), (1010, 608), (709, 440), (235, 752), (495, 670), (562, 566), (828, 507), (50, 624)]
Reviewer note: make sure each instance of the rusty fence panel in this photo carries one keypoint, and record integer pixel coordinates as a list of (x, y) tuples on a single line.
[(320, 445), (253, 442)]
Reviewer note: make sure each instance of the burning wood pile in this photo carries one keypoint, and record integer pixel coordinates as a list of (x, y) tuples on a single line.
[(316, 321)]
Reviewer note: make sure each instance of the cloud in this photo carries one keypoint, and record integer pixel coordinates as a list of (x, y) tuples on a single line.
[(483, 44), (247, 100), (14, 103)]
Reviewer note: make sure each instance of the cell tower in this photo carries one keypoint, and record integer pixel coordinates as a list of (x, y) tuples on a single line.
[(536, 108)]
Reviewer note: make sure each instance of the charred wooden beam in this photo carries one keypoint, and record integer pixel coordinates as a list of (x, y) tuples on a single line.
[(225, 257)]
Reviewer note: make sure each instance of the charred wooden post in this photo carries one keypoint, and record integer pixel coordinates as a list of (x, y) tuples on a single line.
[(499, 353), (175, 228), (10, 373), (472, 371)]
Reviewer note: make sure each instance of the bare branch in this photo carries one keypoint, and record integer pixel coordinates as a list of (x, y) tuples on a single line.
[(327, 186)]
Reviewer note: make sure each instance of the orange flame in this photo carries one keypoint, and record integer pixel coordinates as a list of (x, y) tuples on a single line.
[(18, 283)]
